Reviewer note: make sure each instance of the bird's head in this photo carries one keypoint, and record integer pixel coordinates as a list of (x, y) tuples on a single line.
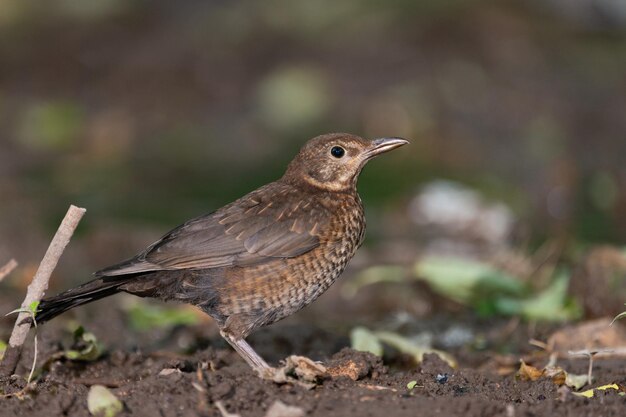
[(334, 161)]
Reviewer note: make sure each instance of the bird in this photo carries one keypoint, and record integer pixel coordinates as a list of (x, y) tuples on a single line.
[(260, 258)]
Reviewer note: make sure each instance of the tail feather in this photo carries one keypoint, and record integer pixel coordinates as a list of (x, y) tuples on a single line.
[(83, 294)]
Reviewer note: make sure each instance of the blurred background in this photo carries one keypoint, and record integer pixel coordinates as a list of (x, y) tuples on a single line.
[(150, 113)]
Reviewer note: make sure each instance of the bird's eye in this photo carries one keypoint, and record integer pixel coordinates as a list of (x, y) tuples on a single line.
[(337, 151)]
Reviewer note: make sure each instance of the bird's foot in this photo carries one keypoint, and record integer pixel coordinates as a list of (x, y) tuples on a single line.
[(266, 372), (300, 370)]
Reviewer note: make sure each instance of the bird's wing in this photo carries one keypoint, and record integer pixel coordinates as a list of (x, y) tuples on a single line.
[(256, 228)]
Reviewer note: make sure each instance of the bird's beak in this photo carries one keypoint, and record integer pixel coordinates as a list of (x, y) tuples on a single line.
[(383, 145)]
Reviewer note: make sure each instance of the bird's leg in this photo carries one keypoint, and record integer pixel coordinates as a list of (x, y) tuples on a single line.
[(249, 355)]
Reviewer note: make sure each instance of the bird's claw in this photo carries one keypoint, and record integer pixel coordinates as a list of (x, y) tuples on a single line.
[(267, 373), (299, 370)]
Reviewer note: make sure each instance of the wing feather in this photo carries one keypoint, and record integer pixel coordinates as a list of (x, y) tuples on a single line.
[(253, 229)]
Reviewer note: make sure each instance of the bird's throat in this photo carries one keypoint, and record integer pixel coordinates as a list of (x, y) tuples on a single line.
[(336, 186)]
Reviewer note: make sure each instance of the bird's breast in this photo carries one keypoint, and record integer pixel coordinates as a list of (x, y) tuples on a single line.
[(279, 287)]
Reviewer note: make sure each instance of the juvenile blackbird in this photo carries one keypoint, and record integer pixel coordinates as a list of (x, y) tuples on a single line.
[(260, 258)]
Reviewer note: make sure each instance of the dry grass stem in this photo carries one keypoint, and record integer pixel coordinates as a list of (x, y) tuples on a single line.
[(7, 269), (38, 287)]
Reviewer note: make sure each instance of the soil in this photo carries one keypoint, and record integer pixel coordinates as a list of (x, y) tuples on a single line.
[(190, 371), (148, 83)]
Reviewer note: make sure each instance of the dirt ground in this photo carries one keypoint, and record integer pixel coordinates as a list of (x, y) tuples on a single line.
[(137, 111), (190, 371)]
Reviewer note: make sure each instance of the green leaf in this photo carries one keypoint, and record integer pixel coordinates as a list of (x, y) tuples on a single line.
[(618, 317), (412, 348), (373, 275), (17, 310), (145, 316), (576, 381), (33, 306), (32, 309), (551, 304), (466, 281), (3, 348), (90, 349), (51, 125), (363, 340), (591, 392), (292, 97), (411, 384), (103, 403)]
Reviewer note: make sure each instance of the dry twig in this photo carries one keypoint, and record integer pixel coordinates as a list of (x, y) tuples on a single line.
[(7, 269), (38, 287)]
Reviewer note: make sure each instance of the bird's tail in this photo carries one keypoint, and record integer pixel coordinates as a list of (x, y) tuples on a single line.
[(93, 290)]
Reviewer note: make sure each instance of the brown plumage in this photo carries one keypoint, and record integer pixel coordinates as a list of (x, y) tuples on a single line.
[(260, 258)]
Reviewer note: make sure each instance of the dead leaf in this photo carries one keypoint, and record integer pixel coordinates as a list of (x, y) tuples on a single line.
[(301, 370), (591, 392), (576, 381), (529, 373), (559, 377)]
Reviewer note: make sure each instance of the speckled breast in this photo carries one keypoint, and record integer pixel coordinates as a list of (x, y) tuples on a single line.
[(311, 275), (274, 290)]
